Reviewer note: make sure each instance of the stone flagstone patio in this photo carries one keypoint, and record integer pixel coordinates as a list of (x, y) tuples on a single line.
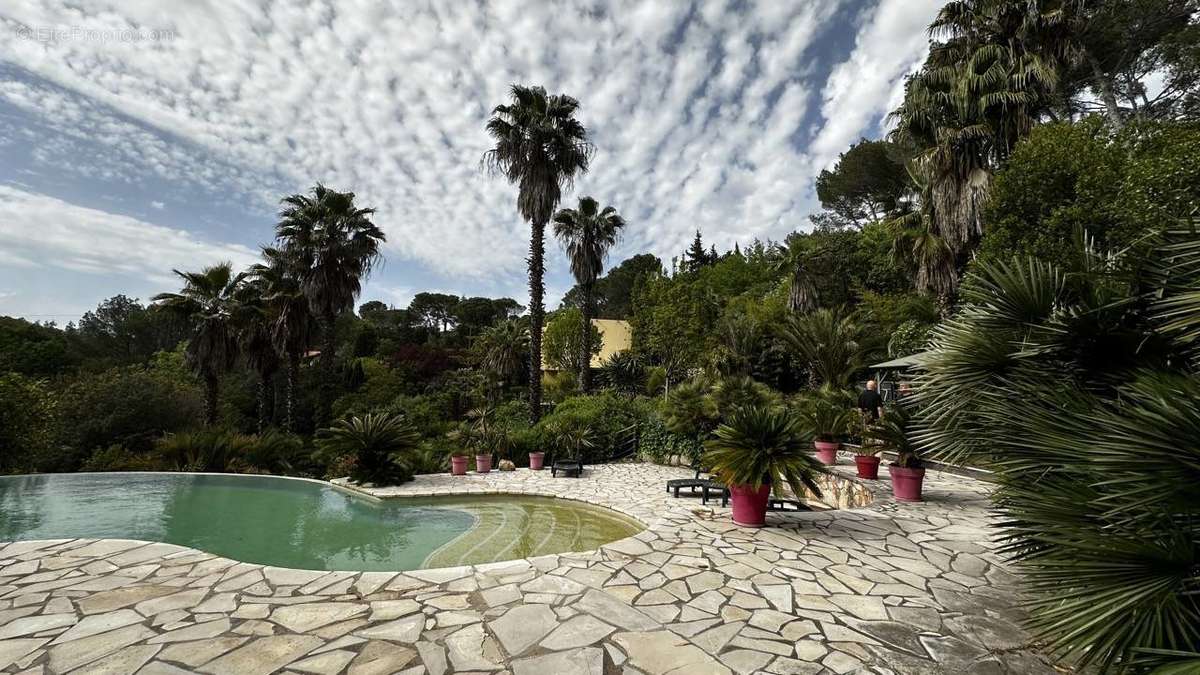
[(886, 588)]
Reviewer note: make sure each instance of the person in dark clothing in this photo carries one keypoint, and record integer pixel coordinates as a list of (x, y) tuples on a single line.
[(870, 402)]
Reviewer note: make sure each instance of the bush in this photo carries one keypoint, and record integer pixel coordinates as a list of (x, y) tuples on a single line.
[(656, 443), (606, 415), (119, 458), (26, 423), (380, 386), (131, 407), (205, 450), (382, 447)]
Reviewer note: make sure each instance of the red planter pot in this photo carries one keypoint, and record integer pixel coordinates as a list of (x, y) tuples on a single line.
[(827, 452), (536, 459), (906, 483), (750, 504), (868, 466), (458, 465), (483, 463)]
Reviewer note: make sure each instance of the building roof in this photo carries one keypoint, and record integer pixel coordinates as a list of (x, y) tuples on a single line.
[(902, 363)]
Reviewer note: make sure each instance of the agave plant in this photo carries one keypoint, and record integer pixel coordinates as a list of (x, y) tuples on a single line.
[(1080, 389), (756, 446), (380, 444)]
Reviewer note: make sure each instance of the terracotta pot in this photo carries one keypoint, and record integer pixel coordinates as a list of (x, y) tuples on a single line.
[(536, 459), (458, 465), (827, 451), (906, 483), (483, 463), (750, 504), (868, 466)]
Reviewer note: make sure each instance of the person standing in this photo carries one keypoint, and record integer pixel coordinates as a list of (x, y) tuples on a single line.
[(870, 403)]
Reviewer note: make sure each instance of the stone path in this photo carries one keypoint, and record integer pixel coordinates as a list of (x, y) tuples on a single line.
[(887, 588)]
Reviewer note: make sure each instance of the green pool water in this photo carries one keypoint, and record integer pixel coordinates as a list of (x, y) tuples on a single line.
[(300, 524)]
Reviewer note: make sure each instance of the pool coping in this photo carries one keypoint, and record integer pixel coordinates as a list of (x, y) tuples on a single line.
[(835, 586)]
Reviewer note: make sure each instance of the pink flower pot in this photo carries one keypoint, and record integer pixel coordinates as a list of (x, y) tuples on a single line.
[(483, 463), (906, 483), (827, 452), (750, 504), (868, 466), (458, 465), (536, 459)]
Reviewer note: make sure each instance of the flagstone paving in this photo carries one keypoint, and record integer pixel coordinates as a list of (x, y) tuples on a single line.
[(885, 588)]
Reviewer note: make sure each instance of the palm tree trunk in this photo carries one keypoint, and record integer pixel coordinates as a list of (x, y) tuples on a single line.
[(585, 342), (293, 373), (536, 315), (1104, 85), (328, 341), (264, 382), (212, 387)]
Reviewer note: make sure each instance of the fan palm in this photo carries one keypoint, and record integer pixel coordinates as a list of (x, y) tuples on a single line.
[(917, 241), (587, 232), (981, 90), (792, 260), (828, 343), (293, 326), (1081, 392), (256, 343), (333, 245), (209, 303), (540, 147), (503, 348)]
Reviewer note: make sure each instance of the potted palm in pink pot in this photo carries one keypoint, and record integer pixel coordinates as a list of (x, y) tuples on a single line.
[(827, 414), (756, 451), (891, 432)]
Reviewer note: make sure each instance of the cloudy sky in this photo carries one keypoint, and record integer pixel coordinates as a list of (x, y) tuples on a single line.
[(137, 136)]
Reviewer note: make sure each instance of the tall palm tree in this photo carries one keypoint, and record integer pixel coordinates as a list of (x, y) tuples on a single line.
[(792, 260), (333, 246), (208, 302), (916, 241), (981, 90), (587, 232), (540, 147), (255, 341), (292, 325)]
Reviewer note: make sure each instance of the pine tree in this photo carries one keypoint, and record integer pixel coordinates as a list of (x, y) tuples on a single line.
[(695, 257)]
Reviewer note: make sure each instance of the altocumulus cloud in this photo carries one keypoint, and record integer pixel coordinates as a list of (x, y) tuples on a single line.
[(714, 114)]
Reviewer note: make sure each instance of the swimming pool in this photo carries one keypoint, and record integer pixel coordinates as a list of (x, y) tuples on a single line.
[(300, 523)]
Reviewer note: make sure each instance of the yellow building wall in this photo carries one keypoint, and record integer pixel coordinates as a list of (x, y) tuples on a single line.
[(615, 336)]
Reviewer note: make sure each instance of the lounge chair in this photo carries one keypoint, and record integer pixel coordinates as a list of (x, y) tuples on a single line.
[(569, 466), (692, 484)]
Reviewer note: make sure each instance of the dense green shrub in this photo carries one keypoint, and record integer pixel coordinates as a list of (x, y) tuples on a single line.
[(380, 386), (607, 415), (205, 450), (657, 443), (127, 406), (26, 423), (119, 458)]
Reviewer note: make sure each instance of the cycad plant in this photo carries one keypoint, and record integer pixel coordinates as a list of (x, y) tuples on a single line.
[(1080, 390), (757, 446), (540, 146), (827, 414), (828, 344), (380, 444)]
